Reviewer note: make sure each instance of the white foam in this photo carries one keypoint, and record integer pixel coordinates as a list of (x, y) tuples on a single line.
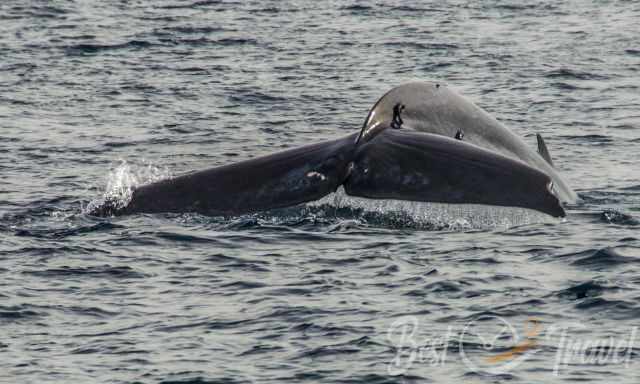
[(449, 216), (123, 179)]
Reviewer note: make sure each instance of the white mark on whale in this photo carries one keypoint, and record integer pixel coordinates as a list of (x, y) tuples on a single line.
[(316, 174)]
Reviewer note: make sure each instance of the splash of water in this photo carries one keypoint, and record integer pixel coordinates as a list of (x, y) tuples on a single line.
[(402, 213), (121, 182), (340, 212)]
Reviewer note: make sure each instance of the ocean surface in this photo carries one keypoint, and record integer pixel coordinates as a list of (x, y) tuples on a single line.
[(97, 97)]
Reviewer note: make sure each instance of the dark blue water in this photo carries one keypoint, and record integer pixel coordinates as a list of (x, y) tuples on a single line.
[(96, 97)]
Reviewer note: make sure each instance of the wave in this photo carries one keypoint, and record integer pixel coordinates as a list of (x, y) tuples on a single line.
[(604, 258), (566, 73), (88, 48)]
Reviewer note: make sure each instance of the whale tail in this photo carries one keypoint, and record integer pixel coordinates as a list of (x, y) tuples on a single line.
[(448, 151), (433, 168), (436, 108), (278, 180), (393, 164)]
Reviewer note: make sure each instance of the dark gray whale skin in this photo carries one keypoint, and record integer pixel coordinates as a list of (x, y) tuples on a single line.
[(405, 165), (393, 165), (411, 163), (279, 180), (434, 107)]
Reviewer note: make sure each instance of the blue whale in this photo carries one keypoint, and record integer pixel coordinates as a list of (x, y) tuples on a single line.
[(421, 141)]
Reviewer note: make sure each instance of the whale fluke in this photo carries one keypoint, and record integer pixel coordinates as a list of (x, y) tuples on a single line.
[(394, 164), (416, 166), (279, 180), (436, 108), (421, 141)]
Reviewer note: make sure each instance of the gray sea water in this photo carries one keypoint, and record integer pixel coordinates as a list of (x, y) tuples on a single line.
[(99, 96)]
